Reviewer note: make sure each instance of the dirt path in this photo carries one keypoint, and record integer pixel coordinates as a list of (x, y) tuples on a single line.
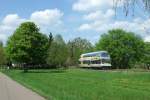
[(11, 90)]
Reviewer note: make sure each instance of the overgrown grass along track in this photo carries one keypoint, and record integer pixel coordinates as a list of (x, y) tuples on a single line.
[(82, 84)]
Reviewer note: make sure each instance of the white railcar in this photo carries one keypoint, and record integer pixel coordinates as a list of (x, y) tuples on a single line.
[(95, 59)]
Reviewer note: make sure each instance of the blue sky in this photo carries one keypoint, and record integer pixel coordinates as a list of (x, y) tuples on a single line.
[(72, 18)]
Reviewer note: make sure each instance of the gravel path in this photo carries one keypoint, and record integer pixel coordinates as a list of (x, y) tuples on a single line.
[(11, 90)]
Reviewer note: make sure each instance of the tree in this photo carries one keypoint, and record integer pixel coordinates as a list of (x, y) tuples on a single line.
[(130, 5), (57, 53), (50, 39), (27, 45), (125, 48), (2, 54), (76, 47), (146, 58)]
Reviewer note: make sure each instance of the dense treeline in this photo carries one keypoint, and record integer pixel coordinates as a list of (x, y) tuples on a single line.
[(29, 47)]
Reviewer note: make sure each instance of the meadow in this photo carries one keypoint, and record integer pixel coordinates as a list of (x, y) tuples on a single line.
[(85, 84)]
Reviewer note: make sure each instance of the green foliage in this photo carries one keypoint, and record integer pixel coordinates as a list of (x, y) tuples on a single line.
[(57, 53), (27, 45), (76, 47), (1, 44), (146, 58), (125, 48), (2, 55)]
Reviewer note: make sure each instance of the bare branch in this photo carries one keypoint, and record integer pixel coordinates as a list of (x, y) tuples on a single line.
[(129, 5)]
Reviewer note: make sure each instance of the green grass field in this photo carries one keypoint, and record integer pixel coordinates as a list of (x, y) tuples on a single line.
[(81, 84)]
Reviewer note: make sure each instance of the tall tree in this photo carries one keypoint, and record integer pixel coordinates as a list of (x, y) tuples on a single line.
[(2, 54), (50, 39), (27, 45), (125, 48), (57, 53)]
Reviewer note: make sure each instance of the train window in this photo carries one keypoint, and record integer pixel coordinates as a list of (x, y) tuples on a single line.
[(104, 55), (86, 62), (96, 62), (106, 61)]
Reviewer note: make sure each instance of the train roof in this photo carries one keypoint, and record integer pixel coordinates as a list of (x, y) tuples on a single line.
[(93, 53)]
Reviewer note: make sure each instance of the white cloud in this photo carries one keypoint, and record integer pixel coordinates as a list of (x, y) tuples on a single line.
[(97, 18), (89, 5), (47, 17), (140, 27), (12, 20), (8, 25), (49, 20), (85, 27), (147, 39), (98, 15)]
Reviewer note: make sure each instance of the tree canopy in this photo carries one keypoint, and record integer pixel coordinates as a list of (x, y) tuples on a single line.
[(57, 53), (146, 58), (2, 54), (125, 48), (27, 45)]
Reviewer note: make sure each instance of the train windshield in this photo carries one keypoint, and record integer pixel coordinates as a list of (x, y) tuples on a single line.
[(104, 54)]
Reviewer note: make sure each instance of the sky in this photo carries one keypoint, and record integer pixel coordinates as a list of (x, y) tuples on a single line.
[(73, 18)]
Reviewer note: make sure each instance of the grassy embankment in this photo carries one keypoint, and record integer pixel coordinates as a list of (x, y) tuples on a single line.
[(81, 84)]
